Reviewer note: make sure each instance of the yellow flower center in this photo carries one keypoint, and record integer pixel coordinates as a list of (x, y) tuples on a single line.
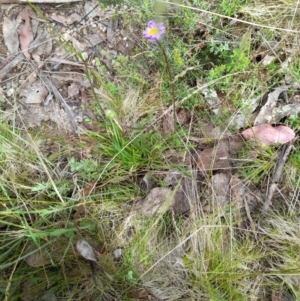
[(153, 31)]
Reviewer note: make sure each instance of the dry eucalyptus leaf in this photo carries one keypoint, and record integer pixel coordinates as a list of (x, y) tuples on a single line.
[(183, 116), (26, 35), (86, 42), (267, 134), (220, 156), (212, 98), (33, 115), (245, 116), (43, 43), (218, 191), (268, 59), (285, 111), (34, 93), (214, 158), (39, 257), (140, 294), (245, 198), (80, 44), (92, 9), (66, 20), (48, 296), (73, 90), (85, 250), (93, 39), (266, 112), (168, 124), (10, 34), (162, 199), (157, 201), (112, 27)]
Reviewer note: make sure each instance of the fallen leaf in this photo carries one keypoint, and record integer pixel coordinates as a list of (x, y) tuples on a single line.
[(265, 114), (161, 199), (275, 296), (5, 70), (38, 257), (93, 39), (268, 134), (42, 42), (245, 116), (183, 116), (168, 125), (112, 27), (220, 156), (92, 9), (268, 59), (157, 201), (48, 296), (285, 111), (73, 90), (10, 34), (212, 98), (33, 115), (34, 93), (81, 209), (139, 294), (66, 20), (26, 36), (85, 250)]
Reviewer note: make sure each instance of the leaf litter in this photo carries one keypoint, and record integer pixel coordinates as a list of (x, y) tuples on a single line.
[(216, 150), (26, 35)]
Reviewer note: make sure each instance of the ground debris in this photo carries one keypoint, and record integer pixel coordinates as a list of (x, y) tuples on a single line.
[(221, 155), (26, 35), (39, 257), (179, 195)]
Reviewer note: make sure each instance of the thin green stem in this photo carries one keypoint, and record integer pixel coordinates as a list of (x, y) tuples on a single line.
[(171, 79)]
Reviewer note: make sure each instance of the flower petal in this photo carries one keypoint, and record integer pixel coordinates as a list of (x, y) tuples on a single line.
[(154, 31)]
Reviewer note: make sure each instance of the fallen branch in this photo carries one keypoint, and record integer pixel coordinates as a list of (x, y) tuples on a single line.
[(276, 175)]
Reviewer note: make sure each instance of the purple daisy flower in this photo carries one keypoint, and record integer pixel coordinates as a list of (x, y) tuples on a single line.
[(154, 31)]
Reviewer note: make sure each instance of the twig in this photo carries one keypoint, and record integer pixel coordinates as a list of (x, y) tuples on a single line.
[(58, 96), (11, 64), (276, 176)]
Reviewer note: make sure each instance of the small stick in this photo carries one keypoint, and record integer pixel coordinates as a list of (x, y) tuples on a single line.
[(52, 89), (276, 176)]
